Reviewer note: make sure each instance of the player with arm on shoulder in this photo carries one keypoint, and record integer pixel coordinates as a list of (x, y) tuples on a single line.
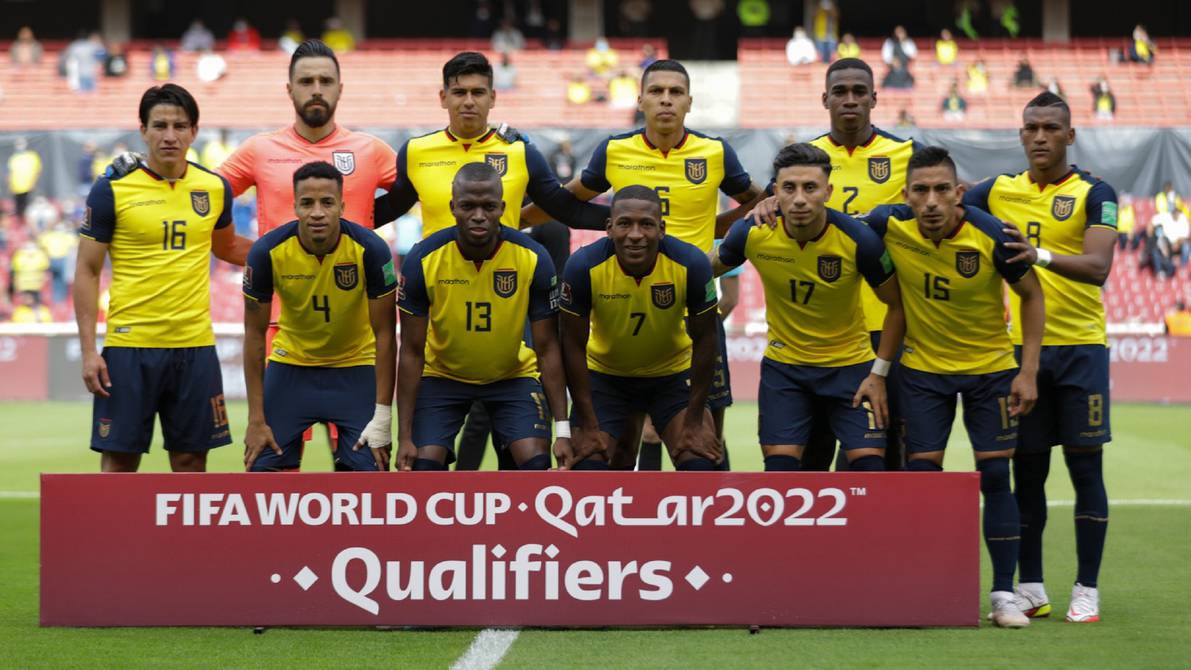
[(466, 294), (953, 262), (626, 301), (1063, 222), (334, 357)]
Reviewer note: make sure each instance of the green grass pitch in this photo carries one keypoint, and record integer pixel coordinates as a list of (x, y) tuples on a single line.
[(1144, 582)]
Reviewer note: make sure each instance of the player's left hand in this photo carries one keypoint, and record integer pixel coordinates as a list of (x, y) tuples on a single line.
[(1023, 394), (1026, 251), (407, 453), (378, 436), (764, 213), (563, 454), (699, 439), (872, 390)]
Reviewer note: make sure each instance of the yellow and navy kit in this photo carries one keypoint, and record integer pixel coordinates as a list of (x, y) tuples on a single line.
[(324, 300), (952, 291), (812, 290), (864, 178), (1054, 217), (638, 326), (478, 309), (687, 178), (159, 237)]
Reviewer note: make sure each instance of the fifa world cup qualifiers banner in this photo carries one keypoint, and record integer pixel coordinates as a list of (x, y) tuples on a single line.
[(510, 549)]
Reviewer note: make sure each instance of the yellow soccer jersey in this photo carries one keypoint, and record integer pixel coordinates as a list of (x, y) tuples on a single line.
[(812, 290), (870, 175), (638, 326), (478, 310), (687, 178), (952, 291), (324, 301), (159, 237), (1054, 217)]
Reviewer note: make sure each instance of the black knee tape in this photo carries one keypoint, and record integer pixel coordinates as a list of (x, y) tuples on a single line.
[(994, 475), (539, 462), (428, 464)]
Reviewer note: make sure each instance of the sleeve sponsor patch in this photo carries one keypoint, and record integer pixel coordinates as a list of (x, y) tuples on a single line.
[(886, 261), (1108, 214), (709, 293), (390, 273)]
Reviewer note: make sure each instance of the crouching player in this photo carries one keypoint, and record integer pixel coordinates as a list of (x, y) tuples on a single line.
[(952, 260), (335, 349), (634, 291), (466, 294)]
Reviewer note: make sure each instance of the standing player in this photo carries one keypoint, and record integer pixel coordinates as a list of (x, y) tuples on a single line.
[(1066, 225), (160, 223), (819, 360), (466, 294), (335, 350), (954, 261), (634, 292)]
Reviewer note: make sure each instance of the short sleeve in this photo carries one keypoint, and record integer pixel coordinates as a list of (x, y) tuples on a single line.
[(595, 175), (225, 217), (978, 195), (872, 258), (238, 168), (736, 179), (411, 285), (733, 247), (1012, 272), (379, 273), (543, 290), (258, 271), (386, 164), (575, 293), (700, 284), (1101, 206), (99, 222), (878, 219)]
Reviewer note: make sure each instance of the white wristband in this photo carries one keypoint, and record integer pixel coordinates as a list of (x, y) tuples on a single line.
[(881, 367), (1044, 258), (562, 429), (383, 412)]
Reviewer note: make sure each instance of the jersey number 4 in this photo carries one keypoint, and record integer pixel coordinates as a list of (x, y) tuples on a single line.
[(325, 308)]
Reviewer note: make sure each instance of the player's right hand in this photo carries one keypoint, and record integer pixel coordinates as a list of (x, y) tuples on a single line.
[(765, 212), (123, 165), (1026, 253), (256, 439), (407, 453), (95, 374), (699, 439), (564, 453), (583, 444), (872, 391)]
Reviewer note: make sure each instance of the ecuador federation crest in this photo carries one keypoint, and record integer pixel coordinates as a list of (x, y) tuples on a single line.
[(663, 295), (200, 202), (105, 428), (967, 263), (345, 162), (499, 162), (1062, 207), (504, 282), (879, 169), (347, 275), (696, 170), (830, 268)]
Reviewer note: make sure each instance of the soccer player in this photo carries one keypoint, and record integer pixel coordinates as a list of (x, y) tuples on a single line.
[(160, 224), (953, 262), (1064, 222), (335, 350), (634, 291), (466, 294), (686, 169), (819, 360)]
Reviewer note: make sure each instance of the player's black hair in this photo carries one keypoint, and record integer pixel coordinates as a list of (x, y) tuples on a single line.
[(477, 172), (318, 170), (666, 65), (802, 154), (1048, 99), (466, 62), (930, 157), (637, 192), (848, 64), (312, 49), (168, 94)]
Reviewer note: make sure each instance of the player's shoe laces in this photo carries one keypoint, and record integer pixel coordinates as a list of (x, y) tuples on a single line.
[(1005, 612), (1032, 600), (1085, 605)]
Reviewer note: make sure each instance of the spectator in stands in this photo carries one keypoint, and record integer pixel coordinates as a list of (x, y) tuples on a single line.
[(482, 20), (1142, 49), (24, 170), (954, 106), (5, 238), (25, 50), (649, 56), (754, 17), (1178, 322), (507, 37), (30, 271), (1177, 230), (85, 167), (292, 37), (946, 48), (601, 58), (623, 91), (210, 67), (978, 77), (243, 37), (705, 36), (898, 75), (1005, 12), (905, 121), (1053, 86), (555, 38), (848, 47), (1126, 221), (800, 50), (1104, 103), (197, 38), (897, 47), (825, 30), (578, 90), (60, 245), (504, 74), (1167, 204), (534, 24), (83, 59), (338, 37), (633, 18), (161, 63), (964, 9), (116, 62), (29, 311), (41, 214), (562, 161), (1023, 76), (217, 149)]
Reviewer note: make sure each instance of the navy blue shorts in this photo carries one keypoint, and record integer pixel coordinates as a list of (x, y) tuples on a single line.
[(720, 395), (1072, 404), (183, 385), (791, 396), (517, 406), (929, 409), (617, 399), (297, 397)]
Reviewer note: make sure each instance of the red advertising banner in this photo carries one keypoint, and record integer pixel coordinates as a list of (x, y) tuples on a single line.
[(511, 549), (23, 367)]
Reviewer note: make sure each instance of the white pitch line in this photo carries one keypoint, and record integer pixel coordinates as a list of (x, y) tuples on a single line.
[(20, 495), (486, 650)]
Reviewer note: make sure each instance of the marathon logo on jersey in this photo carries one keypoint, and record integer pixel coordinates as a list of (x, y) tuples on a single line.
[(967, 263), (879, 169), (200, 202), (346, 276), (696, 170), (345, 162), (830, 268), (504, 282), (663, 295), (499, 162), (1062, 207), (105, 428)]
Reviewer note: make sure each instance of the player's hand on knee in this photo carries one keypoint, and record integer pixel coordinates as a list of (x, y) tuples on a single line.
[(123, 165), (1023, 394), (258, 438), (699, 439), (95, 375), (584, 444), (872, 394), (1018, 242), (378, 433), (764, 213), (407, 453), (564, 453), (382, 456)]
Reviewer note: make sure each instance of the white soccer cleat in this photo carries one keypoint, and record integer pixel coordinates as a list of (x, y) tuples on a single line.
[(1032, 600), (1085, 605), (1005, 612)]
